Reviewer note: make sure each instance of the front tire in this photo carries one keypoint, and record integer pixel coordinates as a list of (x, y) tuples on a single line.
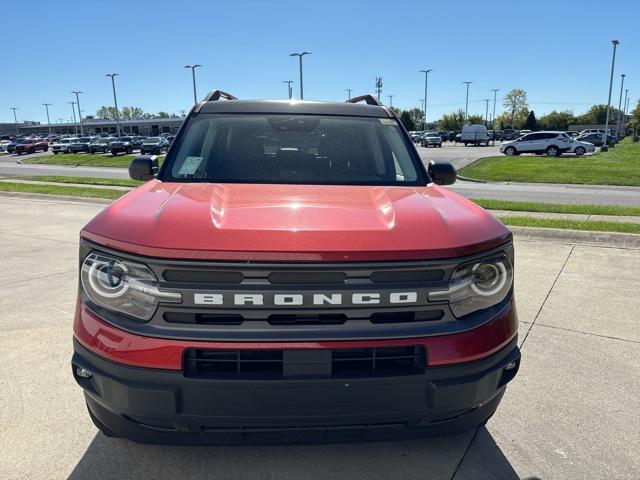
[(510, 151), (580, 151), (553, 151)]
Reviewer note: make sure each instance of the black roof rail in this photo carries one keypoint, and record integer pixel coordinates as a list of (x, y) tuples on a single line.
[(369, 99), (216, 94)]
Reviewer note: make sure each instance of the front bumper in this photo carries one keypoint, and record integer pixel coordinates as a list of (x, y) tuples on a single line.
[(166, 407)]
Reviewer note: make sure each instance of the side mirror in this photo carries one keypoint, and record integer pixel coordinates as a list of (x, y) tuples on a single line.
[(441, 172), (143, 167)]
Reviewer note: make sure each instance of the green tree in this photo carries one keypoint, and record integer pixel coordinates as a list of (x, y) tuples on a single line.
[(516, 107), (163, 115), (106, 113), (131, 113), (475, 120), (451, 121), (597, 115), (557, 120), (407, 120), (417, 115), (531, 123)]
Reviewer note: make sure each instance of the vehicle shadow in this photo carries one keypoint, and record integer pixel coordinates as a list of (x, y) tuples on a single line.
[(472, 455)]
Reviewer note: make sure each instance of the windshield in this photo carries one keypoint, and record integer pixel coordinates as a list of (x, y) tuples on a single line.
[(293, 149)]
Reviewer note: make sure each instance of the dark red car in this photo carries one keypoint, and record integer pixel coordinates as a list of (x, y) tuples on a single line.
[(293, 273), (32, 145)]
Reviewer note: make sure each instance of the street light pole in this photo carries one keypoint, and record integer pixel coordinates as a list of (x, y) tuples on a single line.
[(379, 87), (486, 112), (624, 110), (606, 125), (390, 100), (289, 88), (619, 105), (115, 100), (75, 125), (426, 83), (46, 106), (300, 55), (193, 76), (493, 121), (15, 119), (466, 103), (79, 111), (349, 90)]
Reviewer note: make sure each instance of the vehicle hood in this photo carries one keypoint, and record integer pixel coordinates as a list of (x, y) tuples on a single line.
[(295, 222)]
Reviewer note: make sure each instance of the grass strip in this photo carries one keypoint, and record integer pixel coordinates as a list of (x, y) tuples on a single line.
[(116, 182), (66, 190), (556, 207), (593, 226), (82, 159)]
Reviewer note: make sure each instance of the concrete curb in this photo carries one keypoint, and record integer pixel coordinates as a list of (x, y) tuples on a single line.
[(472, 180), (609, 239), (58, 198)]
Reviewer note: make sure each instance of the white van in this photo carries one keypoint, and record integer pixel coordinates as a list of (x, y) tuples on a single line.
[(475, 135)]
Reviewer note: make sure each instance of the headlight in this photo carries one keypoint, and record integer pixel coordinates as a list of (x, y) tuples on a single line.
[(477, 285), (123, 286)]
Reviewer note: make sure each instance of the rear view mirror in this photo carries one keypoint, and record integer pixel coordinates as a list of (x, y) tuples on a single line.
[(143, 167), (441, 172)]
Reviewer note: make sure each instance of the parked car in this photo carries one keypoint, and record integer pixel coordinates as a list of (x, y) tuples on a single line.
[(154, 145), (591, 130), (431, 139), (170, 139), (32, 145), (4, 144), (580, 148), (553, 144), (595, 139), (121, 145), (215, 304), (100, 144), (137, 141), (524, 132), (80, 145), (63, 145), (11, 148), (508, 134), (474, 135)]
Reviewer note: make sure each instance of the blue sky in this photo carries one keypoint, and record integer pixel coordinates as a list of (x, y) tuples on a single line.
[(560, 52)]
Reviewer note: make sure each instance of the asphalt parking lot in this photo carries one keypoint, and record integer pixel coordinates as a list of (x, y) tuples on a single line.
[(571, 412)]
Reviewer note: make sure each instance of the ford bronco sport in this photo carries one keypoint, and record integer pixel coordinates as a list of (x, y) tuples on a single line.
[(293, 273)]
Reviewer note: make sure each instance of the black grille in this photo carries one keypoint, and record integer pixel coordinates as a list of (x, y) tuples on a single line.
[(203, 276), (388, 317), (307, 278), (407, 276), (312, 363)]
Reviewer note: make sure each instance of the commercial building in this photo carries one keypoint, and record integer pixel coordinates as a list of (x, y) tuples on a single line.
[(147, 127)]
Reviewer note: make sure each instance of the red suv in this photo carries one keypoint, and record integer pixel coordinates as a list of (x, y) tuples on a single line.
[(293, 273), (32, 145)]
